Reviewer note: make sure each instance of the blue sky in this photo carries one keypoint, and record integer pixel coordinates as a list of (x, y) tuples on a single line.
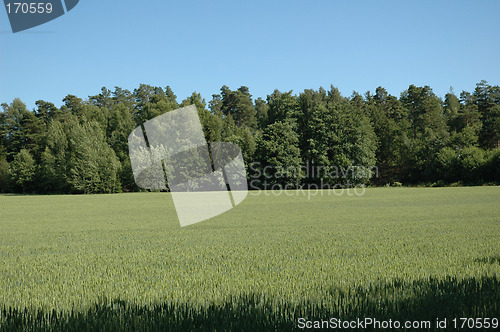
[(265, 45)]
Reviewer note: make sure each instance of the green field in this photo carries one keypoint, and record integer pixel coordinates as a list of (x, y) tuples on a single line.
[(123, 262)]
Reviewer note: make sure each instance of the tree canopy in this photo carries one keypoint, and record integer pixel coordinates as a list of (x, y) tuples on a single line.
[(416, 138)]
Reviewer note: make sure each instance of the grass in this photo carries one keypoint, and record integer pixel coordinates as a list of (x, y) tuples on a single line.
[(123, 262)]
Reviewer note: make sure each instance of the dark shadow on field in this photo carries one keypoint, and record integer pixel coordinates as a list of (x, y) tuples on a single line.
[(397, 300)]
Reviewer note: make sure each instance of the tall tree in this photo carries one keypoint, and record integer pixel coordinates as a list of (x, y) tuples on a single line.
[(466, 125), (21, 129), (4, 173), (124, 97), (282, 106), (54, 168), (171, 97), (278, 153), (451, 109), (93, 165), (22, 169), (262, 110), (211, 127), (46, 111), (487, 98), (73, 105), (102, 100), (389, 120), (336, 136), (120, 126), (239, 105), (151, 102), (428, 135)]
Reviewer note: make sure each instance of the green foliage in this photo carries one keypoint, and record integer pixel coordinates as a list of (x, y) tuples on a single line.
[(22, 169), (4, 174), (467, 137), (212, 124), (282, 106), (46, 112), (428, 132), (21, 129), (335, 135), (451, 107), (491, 168), (487, 99), (119, 127), (447, 164), (407, 139), (152, 101), (54, 170), (93, 165), (470, 161), (246, 141), (261, 109), (390, 124), (278, 152), (239, 105), (425, 111)]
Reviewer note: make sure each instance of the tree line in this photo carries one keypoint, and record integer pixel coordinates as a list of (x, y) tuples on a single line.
[(418, 138)]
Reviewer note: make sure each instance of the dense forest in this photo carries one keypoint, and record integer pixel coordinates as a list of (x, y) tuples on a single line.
[(416, 139)]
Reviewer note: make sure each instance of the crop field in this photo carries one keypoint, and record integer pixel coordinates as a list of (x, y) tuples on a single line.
[(122, 262)]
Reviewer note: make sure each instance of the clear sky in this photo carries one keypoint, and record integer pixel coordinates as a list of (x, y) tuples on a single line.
[(265, 45)]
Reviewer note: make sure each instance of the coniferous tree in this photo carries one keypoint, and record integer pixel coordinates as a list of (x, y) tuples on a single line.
[(4, 173), (93, 165), (239, 105), (487, 99), (417, 138), (54, 168)]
